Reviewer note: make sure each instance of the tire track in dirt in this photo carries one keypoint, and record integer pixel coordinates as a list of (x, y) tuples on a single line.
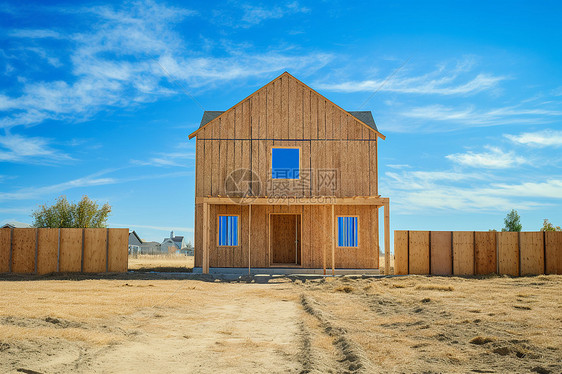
[(351, 361)]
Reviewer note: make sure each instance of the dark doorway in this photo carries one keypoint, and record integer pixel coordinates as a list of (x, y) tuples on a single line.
[(285, 233)]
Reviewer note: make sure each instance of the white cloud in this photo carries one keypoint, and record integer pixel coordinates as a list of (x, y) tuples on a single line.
[(159, 228), (16, 148), (542, 138), (399, 166), (494, 158), (442, 81), (175, 159), (254, 15), (417, 191), (35, 33)]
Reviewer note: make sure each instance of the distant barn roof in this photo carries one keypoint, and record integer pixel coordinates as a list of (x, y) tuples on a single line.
[(364, 116)]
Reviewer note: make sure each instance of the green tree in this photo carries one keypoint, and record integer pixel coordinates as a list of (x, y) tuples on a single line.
[(512, 221), (85, 213), (547, 226)]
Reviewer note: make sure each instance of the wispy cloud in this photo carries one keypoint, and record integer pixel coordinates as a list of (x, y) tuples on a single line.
[(544, 138), (442, 81), (494, 158), (159, 228), (418, 191), (114, 63), (248, 15), (17, 148), (173, 159)]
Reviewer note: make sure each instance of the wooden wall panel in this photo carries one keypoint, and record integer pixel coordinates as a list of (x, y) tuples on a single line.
[(48, 250), (5, 238), (532, 253), (463, 253), (95, 250), (400, 253), (198, 236), (70, 250), (441, 253), (508, 253), (117, 259), (553, 251), (23, 250), (419, 252), (485, 261)]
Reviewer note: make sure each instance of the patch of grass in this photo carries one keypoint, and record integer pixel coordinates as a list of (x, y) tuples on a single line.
[(480, 340), (434, 287)]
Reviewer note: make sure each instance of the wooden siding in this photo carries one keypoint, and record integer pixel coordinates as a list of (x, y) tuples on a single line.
[(314, 236), (288, 113)]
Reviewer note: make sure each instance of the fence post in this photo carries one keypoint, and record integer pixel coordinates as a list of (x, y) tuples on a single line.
[(36, 248), (82, 259), (58, 254), (11, 249)]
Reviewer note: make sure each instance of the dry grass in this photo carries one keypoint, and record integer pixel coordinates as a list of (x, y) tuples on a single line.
[(146, 262), (403, 324)]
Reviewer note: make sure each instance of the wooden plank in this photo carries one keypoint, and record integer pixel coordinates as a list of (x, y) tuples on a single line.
[(508, 253), (215, 154), (419, 252), (23, 250), (284, 119), (5, 235), (95, 244), (47, 250), (532, 253), (117, 250), (199, 166), (485, 261), (205, 239), (70, 250), (292, 109), (333, 243), (441, 253), (400, 253), (463, 253), (307, 115), (375, 234), (553, 251), (208, 162), (197, 235), (387, 238)]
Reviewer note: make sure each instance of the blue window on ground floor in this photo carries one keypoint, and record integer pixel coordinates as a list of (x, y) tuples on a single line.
[(228, 231), (347, 232)]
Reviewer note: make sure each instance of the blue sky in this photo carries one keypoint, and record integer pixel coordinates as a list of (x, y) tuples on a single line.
[(98, 99)]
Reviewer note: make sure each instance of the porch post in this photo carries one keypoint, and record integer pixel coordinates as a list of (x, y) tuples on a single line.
[(387, 237), (333, 244), (205, 239), (249, 238)]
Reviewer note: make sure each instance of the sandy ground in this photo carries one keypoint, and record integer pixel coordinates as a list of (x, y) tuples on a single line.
[(161, 262), (401, 324)]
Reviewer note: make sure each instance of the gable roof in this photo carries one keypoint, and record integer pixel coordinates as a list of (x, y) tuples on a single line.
[(136, 235), (364, 117), (16, 225)]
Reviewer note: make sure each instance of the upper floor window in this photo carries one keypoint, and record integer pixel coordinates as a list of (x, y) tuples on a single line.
[(285, 163)]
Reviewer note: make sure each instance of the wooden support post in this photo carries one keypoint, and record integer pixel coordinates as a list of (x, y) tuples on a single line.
[(205, 241), (387, 238), (249, 238), (333, 245)]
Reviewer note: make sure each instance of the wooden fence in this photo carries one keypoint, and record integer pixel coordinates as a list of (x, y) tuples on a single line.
[(43, 251), (477, 253)]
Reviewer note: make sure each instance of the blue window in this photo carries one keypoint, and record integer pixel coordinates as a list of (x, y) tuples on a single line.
[(228, 231), (285, 163), (347, 232)]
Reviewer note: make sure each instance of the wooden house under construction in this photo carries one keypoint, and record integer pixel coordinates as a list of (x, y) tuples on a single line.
[(287, 178)]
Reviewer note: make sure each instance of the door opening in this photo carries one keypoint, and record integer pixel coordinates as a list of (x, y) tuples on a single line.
[(285, 243)]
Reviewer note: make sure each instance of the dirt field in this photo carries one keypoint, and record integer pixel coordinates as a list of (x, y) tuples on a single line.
[(403, 324), (161, 262)]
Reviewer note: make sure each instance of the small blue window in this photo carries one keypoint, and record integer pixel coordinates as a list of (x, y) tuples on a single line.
[(228, 231), (285, 163), (347, 232)]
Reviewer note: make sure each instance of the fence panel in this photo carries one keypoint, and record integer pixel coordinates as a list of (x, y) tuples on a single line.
[(47, 250), (400, 252), (5, 250), (441, 253), (485, 259), (532, 253), (95, 250), (553, 251), (70, 250), (419, 252), (463, 253), (508, 253), (23, 250), (118, 250)]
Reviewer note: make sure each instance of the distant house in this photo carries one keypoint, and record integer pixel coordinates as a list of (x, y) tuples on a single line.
[(134, 243), (173, 243), (150, 248), (16, 225)]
